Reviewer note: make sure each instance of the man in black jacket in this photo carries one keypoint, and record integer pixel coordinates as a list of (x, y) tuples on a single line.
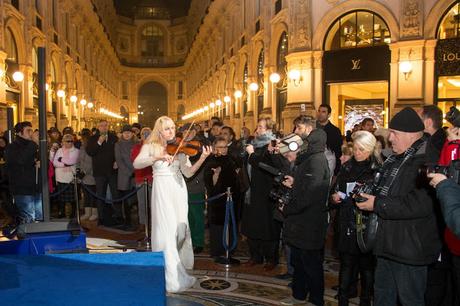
[(334, 137), (22, 167), (407, 238), (101, 147), (306, 220)]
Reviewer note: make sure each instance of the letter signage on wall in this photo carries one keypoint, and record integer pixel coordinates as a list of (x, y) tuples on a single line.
[(448, 57), (357, 64)]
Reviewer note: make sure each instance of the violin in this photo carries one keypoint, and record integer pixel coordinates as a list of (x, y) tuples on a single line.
[(190, 148)]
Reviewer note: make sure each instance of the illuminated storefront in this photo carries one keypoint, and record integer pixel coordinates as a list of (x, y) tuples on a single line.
[(448, 59), (356, 66)]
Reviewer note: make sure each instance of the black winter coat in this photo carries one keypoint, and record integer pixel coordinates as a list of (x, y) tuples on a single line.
[(407, 230), (20, 161), (227, 178), (306, 215), (257, 216), (352, 171), (103, 155)]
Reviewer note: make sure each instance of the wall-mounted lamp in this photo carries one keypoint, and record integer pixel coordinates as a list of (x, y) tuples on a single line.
[(60, 93), (275, 77), (73, 98), (253, 87), (218, 102), (90, 105), (295, 77), (227, 99), (18, 76), (238, 94), (83, 102), (406, 68), (212, 105)]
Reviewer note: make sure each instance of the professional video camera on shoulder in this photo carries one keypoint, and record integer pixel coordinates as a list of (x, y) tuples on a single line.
[(281, 194)]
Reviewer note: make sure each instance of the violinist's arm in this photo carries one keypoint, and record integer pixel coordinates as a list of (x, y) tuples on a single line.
[(145, 158), (187, 168)]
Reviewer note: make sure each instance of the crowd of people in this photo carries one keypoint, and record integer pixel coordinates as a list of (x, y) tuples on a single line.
[(407, 252)]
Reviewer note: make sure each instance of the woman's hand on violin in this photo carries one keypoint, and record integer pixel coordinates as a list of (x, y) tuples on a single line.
[(207, 150), (168, 158)]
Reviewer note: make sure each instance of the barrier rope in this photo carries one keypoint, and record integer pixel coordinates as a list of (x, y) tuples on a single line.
[(55, 194), (113, 200), (211, 199)]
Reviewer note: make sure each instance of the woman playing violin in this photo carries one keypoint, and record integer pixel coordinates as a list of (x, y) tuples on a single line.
[(170, 227)]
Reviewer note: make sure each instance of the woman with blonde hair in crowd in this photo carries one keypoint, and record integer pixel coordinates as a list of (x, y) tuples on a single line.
[(170, 227), (359, 169)]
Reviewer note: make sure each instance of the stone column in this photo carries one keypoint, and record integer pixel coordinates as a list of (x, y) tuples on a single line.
[(430, 64), (27, 111), (269, 93), (249, 117)]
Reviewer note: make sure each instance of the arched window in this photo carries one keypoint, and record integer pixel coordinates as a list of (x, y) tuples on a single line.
[(357, 29), (245, 89), (260, 82), (281, 66), (11, 47), (152, 43), (449, 26)]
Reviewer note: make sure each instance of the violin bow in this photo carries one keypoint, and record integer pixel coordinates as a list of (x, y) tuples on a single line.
[(183, 138)]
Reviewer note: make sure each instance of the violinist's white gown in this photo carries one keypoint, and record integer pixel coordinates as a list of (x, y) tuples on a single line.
[(170, 228)]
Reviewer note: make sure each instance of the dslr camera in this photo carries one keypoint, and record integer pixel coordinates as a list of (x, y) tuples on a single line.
[(281, 194), (79, 174), (452, 171)]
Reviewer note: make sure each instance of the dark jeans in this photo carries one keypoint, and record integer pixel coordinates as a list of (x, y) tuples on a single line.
[(456, 277), (89, 199), (395, 280), (349, 263), (263, 249), (104, 214), (308, 275), (440, 283)]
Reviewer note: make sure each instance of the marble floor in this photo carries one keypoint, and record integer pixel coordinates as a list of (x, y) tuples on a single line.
[(219, 284)]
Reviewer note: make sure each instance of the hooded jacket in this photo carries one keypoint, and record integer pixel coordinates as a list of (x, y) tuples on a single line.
[(306, 215)]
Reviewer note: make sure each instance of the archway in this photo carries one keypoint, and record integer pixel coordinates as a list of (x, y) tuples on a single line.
[(152, 103)]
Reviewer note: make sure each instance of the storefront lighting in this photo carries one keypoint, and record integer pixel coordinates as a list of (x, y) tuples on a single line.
[(60, 93), (275, 77), (253, 87), (406, 68), (83, 102), (73, 99), (227, 99), (238, 94), (218, 102), (18, 76), (212, 105), (454, 82)]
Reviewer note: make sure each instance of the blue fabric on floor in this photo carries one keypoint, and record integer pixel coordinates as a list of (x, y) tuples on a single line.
[(83, 279)]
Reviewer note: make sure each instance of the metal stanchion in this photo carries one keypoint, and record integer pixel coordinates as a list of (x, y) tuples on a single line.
[(144, 245), (228, 261), (77, 202)]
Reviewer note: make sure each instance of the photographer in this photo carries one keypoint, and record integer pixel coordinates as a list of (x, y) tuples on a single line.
[(407, 238), (306, 217), (448, 192), (358, 170)]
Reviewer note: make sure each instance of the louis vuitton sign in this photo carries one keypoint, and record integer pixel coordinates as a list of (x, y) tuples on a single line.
[(448, 57), (357, 64)]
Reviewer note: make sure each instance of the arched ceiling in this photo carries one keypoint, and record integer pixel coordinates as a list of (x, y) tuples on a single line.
[(176, 8)]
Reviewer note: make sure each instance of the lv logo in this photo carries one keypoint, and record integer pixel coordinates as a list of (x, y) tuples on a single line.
[(356, 64)]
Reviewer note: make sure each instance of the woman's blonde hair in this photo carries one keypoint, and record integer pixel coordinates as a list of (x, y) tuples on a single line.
[(367, 142), (67, 137), (155, 139)]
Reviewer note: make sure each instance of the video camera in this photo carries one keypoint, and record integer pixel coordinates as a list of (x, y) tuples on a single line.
[(281, 194)]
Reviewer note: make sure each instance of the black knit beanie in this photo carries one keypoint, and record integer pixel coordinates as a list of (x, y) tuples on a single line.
[(407, 120)]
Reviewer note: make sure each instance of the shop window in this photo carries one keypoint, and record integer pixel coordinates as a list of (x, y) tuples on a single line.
[(449, 26), (357, 29)]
